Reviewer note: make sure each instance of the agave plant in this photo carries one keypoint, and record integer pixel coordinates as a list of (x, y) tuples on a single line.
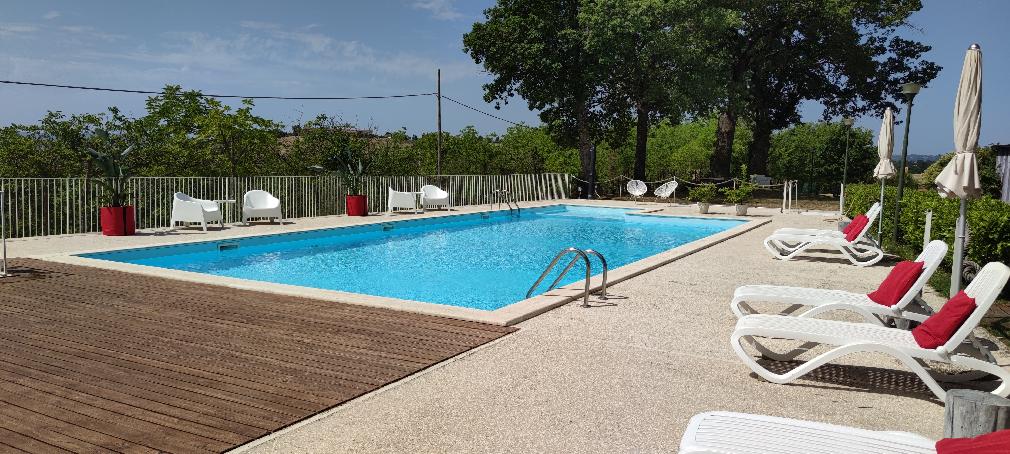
[(116, 178), (350, 165)]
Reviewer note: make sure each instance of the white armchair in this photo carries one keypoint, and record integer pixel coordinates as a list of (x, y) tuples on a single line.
[(398, 199), (433, 196), (261, 204), (188, 209)]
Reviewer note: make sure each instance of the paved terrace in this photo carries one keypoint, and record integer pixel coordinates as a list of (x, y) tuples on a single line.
[(625, 377)]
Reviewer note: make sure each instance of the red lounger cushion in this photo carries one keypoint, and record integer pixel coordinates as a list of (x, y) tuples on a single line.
[(939, 327), (851, 223), (896, 284), (856, 227), (996, 442)]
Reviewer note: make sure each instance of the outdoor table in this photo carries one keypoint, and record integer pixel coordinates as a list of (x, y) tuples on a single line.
[(223, 203)]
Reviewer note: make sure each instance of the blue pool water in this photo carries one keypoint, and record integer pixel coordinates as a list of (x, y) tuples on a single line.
[(478, 261)]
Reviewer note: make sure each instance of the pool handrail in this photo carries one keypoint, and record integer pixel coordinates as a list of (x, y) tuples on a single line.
[(584, 255)]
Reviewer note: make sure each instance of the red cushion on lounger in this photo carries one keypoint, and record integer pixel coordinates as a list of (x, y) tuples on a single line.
[(856, 227), (848, 227), (996, 442), (897, 283), (939, 327)]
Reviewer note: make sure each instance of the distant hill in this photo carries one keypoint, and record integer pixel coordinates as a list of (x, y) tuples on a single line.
[(922, 158)]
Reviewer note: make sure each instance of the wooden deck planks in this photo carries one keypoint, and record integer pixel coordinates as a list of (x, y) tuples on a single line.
[(97, 360)]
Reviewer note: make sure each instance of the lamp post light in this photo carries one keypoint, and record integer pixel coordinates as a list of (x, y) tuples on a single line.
[(848, 122), (909, 90)]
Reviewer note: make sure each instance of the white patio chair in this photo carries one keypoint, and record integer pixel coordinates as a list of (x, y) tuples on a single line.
[(853, 338), (861, 251), (872, 213), (666, 189), (723, 432), (637, 188), (261, 204), (821, 301), (188, 209), (401, 200), (433, 196)]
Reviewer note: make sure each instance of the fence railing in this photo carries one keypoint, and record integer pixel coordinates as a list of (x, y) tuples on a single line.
[(57, 206)]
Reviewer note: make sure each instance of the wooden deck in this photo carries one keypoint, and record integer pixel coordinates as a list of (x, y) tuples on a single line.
[(102, 361)]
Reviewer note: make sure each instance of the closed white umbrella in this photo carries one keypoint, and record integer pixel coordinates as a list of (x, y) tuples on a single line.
[(960, 177), (885, 168)]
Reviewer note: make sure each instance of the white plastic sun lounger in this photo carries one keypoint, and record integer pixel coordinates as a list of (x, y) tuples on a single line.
[(827, 300), (860, 251), (873, 212), (721, 432), (849, 338)]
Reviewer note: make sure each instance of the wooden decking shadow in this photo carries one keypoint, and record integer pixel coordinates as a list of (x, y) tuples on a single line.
[(97, 360)]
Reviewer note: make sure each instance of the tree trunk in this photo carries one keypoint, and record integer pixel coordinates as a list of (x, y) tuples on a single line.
[(585, 151), (641, 140), (757, 152), (722, 158)]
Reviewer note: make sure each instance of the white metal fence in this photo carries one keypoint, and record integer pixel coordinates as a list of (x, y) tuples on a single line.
[(57, 206)]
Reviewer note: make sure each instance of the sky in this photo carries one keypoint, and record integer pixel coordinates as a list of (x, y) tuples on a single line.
[(380, 47)]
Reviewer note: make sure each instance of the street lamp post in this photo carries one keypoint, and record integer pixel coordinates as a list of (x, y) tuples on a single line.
[(909, 90), (848, 122)]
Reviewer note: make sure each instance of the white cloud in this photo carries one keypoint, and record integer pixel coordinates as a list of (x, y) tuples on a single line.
[(16, 29), (51, 15), (439, 9)]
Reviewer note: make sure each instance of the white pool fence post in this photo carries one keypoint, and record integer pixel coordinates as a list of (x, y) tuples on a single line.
[(3, 236)]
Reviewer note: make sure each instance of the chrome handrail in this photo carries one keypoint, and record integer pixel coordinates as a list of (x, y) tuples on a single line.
[(503, 194), (603, 261), (584, 255)]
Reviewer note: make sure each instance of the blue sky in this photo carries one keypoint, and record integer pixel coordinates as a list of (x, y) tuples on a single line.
[(380, 47)]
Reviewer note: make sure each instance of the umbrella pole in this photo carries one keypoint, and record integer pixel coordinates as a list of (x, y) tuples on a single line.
[(955, 273), (880, 216)]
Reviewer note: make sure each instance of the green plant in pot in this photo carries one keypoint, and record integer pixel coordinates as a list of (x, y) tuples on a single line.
[(739, 196), (703, 194), (350, 164), (117, 216)]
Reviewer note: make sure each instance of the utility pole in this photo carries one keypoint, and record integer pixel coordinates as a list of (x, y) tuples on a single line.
[(438, 97)]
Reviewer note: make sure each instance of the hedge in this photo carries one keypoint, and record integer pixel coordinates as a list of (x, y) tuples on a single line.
[(988, 219)]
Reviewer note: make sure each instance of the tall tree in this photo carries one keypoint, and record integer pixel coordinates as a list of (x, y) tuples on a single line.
[(842, 53), (654, 56), (536, 49)]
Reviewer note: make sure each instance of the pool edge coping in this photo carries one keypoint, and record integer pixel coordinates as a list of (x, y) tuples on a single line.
[(505, 316)]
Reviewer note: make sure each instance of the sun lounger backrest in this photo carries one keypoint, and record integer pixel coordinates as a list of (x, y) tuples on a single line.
[(984, 288), (932, 257), (872, 215)]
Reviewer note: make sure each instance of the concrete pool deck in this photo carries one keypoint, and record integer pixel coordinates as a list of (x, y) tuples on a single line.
[(624, 377)]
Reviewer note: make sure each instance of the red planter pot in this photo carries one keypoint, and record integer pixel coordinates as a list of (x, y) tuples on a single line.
[(357, 205), (118, 221)]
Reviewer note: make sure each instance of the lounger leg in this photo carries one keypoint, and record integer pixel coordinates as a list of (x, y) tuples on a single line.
[(1003, 390), (736, 342)]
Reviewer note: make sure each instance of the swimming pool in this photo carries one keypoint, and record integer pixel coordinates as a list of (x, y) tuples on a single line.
[(482, 261)]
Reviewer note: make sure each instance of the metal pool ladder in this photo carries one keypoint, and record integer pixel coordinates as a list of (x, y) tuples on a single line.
[(509, 198), (579, 253)]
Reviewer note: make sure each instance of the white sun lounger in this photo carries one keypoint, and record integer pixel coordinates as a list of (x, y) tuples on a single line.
[(861, 251), (721, 432), (827, 300), (849, 338), (872, 213)]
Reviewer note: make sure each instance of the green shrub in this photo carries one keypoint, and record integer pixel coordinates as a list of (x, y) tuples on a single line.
[(703, 193), (988, 219), (740, 194)]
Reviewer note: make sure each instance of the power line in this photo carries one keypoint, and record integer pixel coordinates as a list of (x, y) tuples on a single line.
[(290, 98), (145, 92), (482, 112)]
